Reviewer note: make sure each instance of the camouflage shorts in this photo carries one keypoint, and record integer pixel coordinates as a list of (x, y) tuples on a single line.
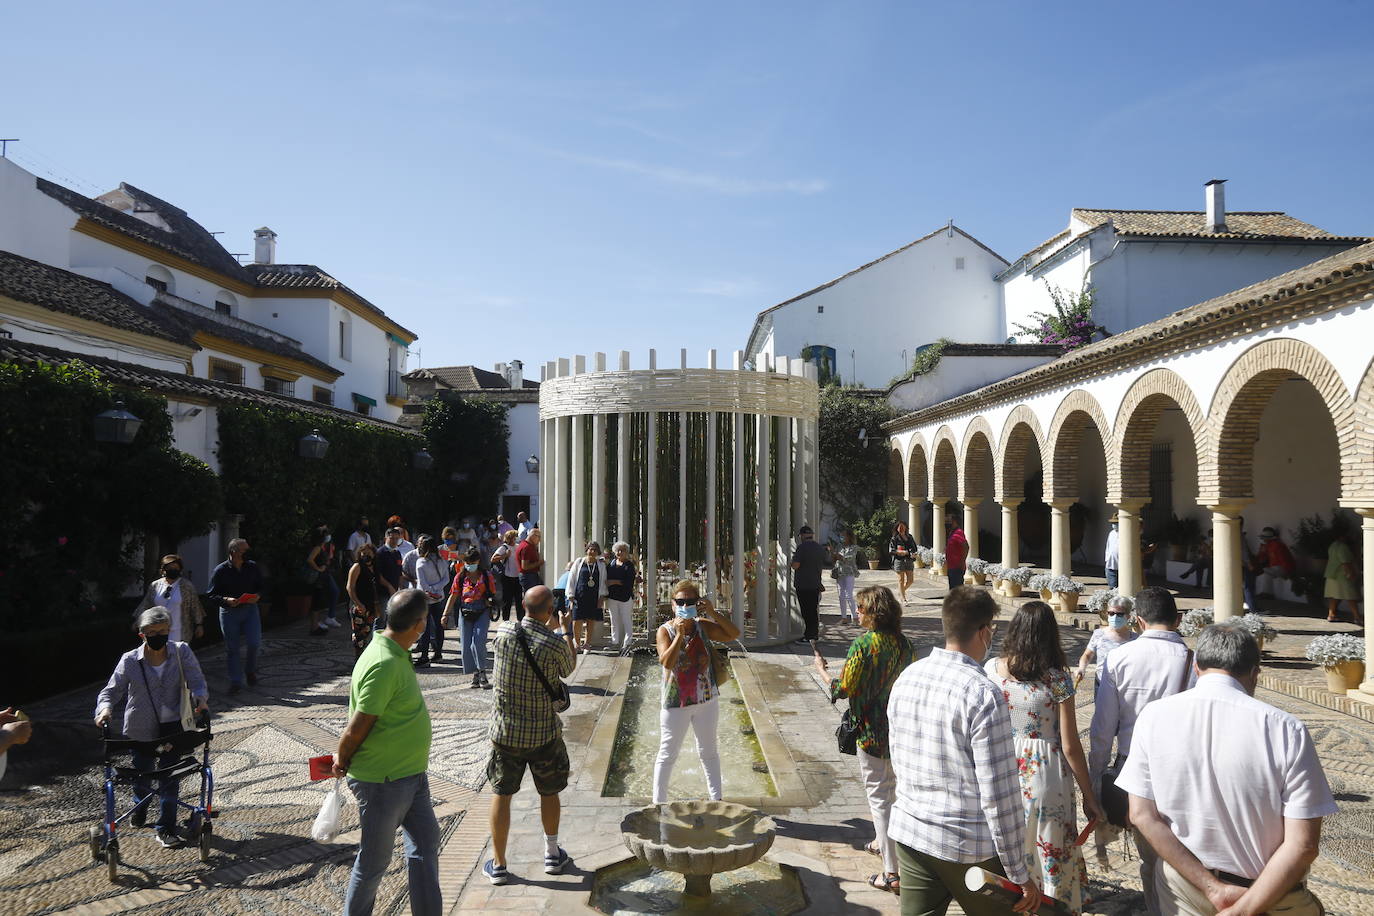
[(548, 765)]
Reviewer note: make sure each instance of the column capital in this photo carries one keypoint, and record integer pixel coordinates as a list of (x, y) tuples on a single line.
[(1230, 508), (973, 502), (1133, 506), (915, 501), (1366, 513), (1011, 502), (1062, 503)]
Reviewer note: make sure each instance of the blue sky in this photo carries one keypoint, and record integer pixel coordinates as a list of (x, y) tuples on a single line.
[(533, 180)]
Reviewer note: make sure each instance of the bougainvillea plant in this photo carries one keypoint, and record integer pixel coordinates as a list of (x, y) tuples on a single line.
[(1070, 325)]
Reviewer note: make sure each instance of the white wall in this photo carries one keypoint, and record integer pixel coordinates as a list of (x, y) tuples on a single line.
[(912, 298), (524, 442), (32, 224), (1297, 463), (956, 375), (1025, 293)]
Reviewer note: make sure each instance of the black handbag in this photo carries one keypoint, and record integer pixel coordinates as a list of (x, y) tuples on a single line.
[(847, 733), (561, 698)]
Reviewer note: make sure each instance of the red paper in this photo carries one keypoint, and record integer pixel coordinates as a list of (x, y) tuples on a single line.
[(321, 767), (249, 599)]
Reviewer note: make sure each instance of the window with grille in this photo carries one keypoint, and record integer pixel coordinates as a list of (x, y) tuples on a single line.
[(1157, 515), (279, 386), (155, 283), (323, 396), (223, 308), (222, 371)]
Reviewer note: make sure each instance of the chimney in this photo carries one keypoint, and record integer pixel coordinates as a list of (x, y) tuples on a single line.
[(1216, 205), (515, 376), (264, 246)]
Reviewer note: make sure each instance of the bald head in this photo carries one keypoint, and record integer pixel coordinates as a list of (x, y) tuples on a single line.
[(539, 602)]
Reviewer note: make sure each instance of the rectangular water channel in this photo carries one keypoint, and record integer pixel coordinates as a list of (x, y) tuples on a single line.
[(744, 771)]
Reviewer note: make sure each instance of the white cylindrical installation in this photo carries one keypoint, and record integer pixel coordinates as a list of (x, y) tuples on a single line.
[(777, 409)]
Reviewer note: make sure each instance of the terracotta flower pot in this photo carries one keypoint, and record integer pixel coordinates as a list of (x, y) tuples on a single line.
[(1344, 676), (1011, 589), (1068, 601), (979, 578), (919, 563), (1046, 595), (872, 564)]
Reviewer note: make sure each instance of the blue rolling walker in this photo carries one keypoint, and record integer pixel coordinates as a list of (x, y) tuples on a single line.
[(104, 839)]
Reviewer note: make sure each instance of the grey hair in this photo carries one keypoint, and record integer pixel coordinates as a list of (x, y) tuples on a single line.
[(1125, 602), (1228, 647), (152, 617), (237, 544), (405, 609), (615, 548)]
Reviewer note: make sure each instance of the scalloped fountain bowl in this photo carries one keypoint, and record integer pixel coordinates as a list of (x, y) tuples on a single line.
[(698, 839)]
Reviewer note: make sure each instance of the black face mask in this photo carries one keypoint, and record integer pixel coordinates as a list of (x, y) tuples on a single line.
[(171, 575), (367, 560), (158, 642)]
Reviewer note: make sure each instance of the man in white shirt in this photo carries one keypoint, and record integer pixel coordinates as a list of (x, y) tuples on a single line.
[(958, 792), (1228, 790), (1155, 665), (360, 536), (524, 527), (1111, 561)]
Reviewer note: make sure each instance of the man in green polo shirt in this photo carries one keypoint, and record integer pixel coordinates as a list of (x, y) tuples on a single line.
[(384, 751)]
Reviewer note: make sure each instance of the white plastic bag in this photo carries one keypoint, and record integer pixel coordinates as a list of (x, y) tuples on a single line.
[(329, 822)]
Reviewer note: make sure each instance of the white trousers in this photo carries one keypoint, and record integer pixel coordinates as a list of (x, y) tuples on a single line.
[(701, 718), (1178, 897), (847, 605), (622, 621), (880, 783)]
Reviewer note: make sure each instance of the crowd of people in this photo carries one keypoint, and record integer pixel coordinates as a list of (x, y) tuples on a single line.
[(966, 758)]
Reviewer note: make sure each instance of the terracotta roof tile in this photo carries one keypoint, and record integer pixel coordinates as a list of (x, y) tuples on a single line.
[(1263, 226)]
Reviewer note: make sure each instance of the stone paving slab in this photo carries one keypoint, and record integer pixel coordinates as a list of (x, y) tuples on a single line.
[(265, 862)]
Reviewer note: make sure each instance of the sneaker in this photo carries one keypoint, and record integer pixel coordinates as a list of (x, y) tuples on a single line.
[(476, 681), (554, 865), (169, 839), (422, 661), (331, 623), (438, 654), (496, 874), (486, 684)]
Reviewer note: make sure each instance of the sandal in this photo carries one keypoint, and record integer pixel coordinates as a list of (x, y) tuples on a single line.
[(890, 883), (873, 850)]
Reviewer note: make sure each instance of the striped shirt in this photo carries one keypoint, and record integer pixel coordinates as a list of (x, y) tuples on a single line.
[(522, 714), (958, 793)]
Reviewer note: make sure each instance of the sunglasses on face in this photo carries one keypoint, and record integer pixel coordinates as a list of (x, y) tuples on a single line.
[(685, 602)]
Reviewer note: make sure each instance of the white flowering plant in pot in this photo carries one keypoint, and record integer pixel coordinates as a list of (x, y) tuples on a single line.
[(978, 569), (1021, 575), (1098, 602), (924, 555), (1040, 583), (1195, 621), (1330, 651), (1065, 586), (1257, 627)]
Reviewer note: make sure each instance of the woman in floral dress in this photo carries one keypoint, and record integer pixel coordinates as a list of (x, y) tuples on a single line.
[(1033, 675)]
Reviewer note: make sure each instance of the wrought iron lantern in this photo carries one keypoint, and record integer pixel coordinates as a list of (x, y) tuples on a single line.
[(116, 425), (313, 445)]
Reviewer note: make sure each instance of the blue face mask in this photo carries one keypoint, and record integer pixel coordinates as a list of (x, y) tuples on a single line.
[(1117, 621), (470, 567)]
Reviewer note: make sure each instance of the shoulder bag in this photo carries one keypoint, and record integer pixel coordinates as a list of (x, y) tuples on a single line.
[(187, 713), (720, 662), (1115, 801), (560, 697)]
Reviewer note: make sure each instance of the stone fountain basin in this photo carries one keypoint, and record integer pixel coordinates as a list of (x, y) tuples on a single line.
[(698, 837)]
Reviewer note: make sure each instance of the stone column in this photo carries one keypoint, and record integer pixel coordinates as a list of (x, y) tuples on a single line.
[(622, 466), (598, 523), (913, 517), (577, 526), (782, 556), (557, 536), (1061, 559), (1011, 535), (1365, 693), (650, 548), (971, 505), (737, 537), (937, 524), (762, 609), (1228, 593), (712, 470), (1130, 573), (813, 460)]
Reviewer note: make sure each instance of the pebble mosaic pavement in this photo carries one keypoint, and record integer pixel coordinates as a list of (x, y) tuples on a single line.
[(265, 863)]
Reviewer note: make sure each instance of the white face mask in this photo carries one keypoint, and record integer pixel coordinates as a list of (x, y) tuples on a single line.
[(1117, 621)]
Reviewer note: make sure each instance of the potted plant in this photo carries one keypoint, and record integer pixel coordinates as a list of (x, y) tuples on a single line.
[(937, 564), (994, 573), (869, 534), (1195, 621), (1040, 583), (923, 557), (1258, 628), (1342, 655), (978, 570), (1015, 580), (1066, 592)]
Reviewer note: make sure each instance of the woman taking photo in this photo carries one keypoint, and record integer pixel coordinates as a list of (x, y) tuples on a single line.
[(367, 592), (503, 566), (1039, 690), (903, 550), (874, 661), (689, 685), (178, 597)]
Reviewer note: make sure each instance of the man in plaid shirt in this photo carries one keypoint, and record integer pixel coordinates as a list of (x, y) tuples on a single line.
[(525, 728), (958, 795)]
